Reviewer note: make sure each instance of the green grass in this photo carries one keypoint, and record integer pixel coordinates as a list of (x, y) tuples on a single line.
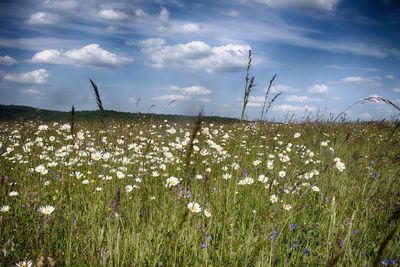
[(152, 226)]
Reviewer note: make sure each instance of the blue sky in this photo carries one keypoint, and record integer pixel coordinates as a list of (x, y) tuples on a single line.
[(327, 54)]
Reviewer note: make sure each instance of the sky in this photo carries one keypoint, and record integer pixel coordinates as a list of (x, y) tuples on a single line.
[(176, 56)]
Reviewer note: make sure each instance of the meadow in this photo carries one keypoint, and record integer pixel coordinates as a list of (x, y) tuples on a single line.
[(155, 192)]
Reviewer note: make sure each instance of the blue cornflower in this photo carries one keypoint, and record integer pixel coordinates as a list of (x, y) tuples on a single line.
[(307, 252), (356, 232), (273, 235), (293, 226)]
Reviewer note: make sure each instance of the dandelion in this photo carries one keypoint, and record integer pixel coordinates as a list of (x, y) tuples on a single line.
[(171, 182), (5, 208), (46, 210), (194, 207)]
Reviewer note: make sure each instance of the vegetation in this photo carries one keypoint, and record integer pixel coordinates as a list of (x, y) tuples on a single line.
[(153, 192)]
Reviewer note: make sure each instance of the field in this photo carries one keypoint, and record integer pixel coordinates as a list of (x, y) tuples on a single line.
[(167, 193)]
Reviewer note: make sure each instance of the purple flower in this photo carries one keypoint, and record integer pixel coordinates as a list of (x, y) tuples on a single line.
[(356, 232), (307, 252), (388, 262), (208, 236), (203, 245), (341, 243), (293, 226), (273, 235), (295, 244)]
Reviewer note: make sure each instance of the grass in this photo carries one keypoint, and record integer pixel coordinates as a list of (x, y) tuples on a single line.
[(116, 211)]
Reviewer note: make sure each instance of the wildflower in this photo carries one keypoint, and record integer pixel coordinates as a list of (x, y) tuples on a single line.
[(85, 181), (273, 199), (96, 156), (24, 263), (262, 178), (5, 208), (198, 177), (273, 235), (296, 135), (340, 166), (171, 181), (293, 226), (324, 143), (287, 207), (356, 232), (41, 169), (246, 181), (203, 245), (307, 252), (282, 174), (128, 188), (13, 194), (194, 207), (98, 189), (46, 210), (226, 176), (207, 213), (315, 188), (120, 175)]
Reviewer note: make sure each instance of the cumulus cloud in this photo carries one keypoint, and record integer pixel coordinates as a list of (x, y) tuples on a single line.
[(164, 15), (181, 28), (40, 76), (397, 90), (358, 80), (280, 88), (198, 55), (112, 14), (318, 89), (42, 18), (304, 4), (192, 90), (296, 98), (7, 60), (121, 14), (255, 101), (390, 77), (152, 42), (173, 97), (291, 108), (92, 55), (60, 4)]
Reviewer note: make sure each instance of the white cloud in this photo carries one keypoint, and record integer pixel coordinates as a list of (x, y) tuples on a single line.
[(305, 4), (358, 80), (198, 55), (7, 60), (42, 18), (255, 101), (365, 116), (173, 97), (318, 89), (390, 77), (164, 15), (181, 28), (92, 55), (112, 14), (291, 108), (280, 88), (397, 90), (60, 4), (192, 90), (296, 98), (47, 56), (31, 91), (40, 76), (233, 13), (152, 42)]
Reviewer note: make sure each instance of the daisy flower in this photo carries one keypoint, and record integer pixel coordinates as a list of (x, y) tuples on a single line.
[(46, 210), (171, 182), (194, 207)]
